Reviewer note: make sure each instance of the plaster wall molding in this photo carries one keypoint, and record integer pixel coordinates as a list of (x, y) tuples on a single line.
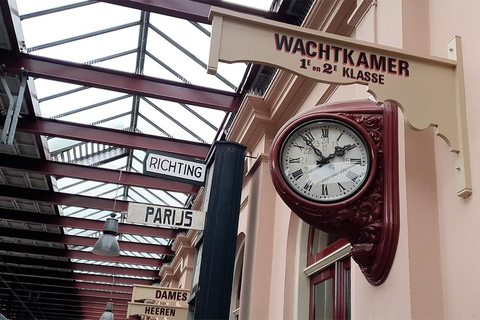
[(256, 165), (288, 92)]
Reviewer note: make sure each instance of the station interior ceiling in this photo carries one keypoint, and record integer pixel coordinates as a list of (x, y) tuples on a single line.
[(87, 87)]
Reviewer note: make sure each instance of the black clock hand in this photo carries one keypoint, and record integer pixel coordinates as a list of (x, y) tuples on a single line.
[(339, 152), (309, 143)]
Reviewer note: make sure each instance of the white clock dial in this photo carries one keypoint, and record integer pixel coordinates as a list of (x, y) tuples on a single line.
[(325, 161)]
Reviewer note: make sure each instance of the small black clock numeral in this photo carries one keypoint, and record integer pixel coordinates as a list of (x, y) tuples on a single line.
[(298, 146), (340, 187), (297, 174), (341, 134), (352, 175), (309, 136), (324, 190), (325, 133), (293, 160), (355, 161), (308, 185)]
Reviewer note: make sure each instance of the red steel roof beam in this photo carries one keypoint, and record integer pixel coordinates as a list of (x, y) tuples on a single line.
[(197, 11), (81, 255), (120, 298), (83, 241), (108, 270), (123, 139), (69, 276), (63, 221), (102, 78), (93, 173)]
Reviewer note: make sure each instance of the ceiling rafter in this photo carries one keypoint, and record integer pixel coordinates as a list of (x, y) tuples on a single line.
[(102, 78), (62, 221), (197, 11), (76, 254), (49, 274), (60, 169), (119, 138), (76, 266), (82, 241)]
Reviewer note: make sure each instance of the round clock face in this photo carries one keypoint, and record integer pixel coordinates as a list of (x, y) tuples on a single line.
[(325, 161)]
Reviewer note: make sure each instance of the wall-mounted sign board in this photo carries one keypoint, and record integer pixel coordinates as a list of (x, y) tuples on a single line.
[(164, 312), (429, 90), (160, 216), (169, 166), (161, 294)]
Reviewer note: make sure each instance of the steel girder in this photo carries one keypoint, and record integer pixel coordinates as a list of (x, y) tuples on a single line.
[(76, 254), (123, 139), (37, 263), (82, 241), (197, 11), (63, 221), (51, 274), (60, 169), (102, 78)]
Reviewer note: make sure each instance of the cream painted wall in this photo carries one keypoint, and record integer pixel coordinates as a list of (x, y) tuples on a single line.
[(459, 219)]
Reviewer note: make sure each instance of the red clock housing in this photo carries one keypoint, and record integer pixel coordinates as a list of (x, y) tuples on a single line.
[(369, 218)]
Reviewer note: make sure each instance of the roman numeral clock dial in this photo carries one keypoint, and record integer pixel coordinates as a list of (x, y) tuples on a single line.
[(325, 160)]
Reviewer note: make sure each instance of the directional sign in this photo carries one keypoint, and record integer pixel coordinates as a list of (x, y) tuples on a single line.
[(161, 294), (161, 216), (167, 312), (174, 167)]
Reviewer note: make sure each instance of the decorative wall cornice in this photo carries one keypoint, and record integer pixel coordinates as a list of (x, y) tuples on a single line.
[(258, 116)]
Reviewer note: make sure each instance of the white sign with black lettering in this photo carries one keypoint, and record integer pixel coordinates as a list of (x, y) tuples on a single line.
[(173, 166), (161, 216)]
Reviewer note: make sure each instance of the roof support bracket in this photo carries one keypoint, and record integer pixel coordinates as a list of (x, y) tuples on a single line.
[(14, 107)]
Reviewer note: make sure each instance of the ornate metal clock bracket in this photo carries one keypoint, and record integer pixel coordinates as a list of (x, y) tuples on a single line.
[(441, 104)]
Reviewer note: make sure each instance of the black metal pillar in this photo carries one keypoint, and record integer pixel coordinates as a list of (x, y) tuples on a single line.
[(223, 187)]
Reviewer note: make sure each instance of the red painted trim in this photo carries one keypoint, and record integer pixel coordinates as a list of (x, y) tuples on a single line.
[(320, 277), (102, 78), (119, 138), (62, 221), (311, 259), (93, 173)]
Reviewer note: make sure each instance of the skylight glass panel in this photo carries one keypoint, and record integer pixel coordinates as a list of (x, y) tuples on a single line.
[(184, 33), (78, 101), (137, 165), (70, 23), (153, 110), (115, 165), (147, 194), (181, 63), (30, 6), (58, 144), (93, 48), (47, 88), (156, 69), (124, 63)]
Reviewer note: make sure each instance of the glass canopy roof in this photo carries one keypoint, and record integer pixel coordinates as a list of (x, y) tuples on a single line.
[(128, 40)]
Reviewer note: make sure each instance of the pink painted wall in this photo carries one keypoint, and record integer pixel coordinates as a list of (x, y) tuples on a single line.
[(436, 272), (459, 219)]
